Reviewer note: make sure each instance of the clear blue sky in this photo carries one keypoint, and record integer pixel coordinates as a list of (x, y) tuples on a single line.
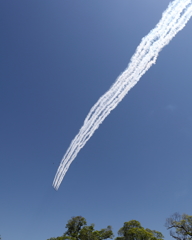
[(57, 58)]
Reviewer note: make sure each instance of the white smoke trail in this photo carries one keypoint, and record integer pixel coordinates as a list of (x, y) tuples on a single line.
[(173, 20)]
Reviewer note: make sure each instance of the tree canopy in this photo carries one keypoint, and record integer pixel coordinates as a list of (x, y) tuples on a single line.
[(77, 229), (133, 230), (180, 225)]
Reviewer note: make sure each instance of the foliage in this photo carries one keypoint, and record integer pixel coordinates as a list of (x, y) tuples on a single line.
[(133, 230), (74, 226), (89, 233), (77, 229), (182, 224)]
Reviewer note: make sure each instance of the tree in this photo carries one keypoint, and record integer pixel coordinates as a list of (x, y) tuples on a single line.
[(182, 225), (77, 229), (74, 226), (133, 230)]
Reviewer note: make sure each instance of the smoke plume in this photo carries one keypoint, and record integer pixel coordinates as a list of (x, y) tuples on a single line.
[(173, 20)]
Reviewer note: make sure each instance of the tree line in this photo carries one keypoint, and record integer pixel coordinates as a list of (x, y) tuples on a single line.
[(180, 227)]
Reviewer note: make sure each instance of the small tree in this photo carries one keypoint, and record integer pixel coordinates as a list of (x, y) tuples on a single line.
[(182, 225)]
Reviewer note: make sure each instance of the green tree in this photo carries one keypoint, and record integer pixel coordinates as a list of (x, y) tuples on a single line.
[(182, 225), (77, 229), (74, 226), (133, 230)]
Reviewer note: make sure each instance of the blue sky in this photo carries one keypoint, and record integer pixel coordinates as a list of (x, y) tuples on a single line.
[(57, 59)]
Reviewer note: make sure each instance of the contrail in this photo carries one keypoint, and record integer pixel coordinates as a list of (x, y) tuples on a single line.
[(173, 20)]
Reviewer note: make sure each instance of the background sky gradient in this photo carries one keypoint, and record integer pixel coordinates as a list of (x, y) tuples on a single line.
[(57, 58)]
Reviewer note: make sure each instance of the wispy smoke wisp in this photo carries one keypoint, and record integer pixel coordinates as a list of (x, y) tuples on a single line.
[(173, 20)]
